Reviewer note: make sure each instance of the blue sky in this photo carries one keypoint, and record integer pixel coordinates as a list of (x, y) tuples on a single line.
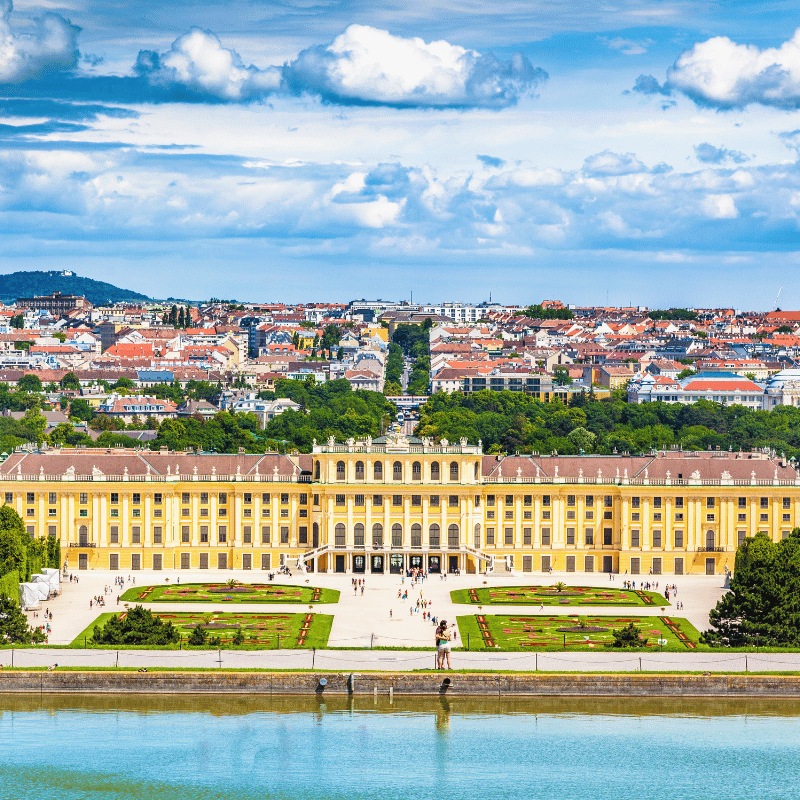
[(296, 150)]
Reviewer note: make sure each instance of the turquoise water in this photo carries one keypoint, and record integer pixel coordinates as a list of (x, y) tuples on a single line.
[(71, 748)]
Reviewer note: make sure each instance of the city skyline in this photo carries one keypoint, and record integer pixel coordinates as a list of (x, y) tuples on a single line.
[(644, 153)]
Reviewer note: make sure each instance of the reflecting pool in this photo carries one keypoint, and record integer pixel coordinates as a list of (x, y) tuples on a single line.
[(103, 747)]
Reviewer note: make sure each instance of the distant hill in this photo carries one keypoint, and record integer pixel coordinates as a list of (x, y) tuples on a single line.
[(29, 284)]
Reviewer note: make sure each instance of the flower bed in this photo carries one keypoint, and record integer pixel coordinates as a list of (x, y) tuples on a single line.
[(546, 632), (239, 593), (550, 595), (261, 631)]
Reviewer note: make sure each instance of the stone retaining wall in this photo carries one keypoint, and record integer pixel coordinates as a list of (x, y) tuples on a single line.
[(383, 684)]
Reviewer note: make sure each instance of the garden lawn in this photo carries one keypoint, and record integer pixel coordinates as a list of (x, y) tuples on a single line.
[(550, 596), (262, 631), (494, 631), (222, 593)]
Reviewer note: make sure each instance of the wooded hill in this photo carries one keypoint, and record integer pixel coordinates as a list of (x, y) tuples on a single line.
[(31, 284)]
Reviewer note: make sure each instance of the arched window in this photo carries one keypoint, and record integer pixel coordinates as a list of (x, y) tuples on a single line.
[(452, 537), (83, 535), (377, 471), (340, 537), (359, 470), (416, 471), (358, 535), (477, 471), (433, 536), (377, 535), (416, 535), (477, 542), (340, 470), (316, 470), (454, 470), (397, 535), (315, 534), (434, 470), (397, 471), (710, 540)]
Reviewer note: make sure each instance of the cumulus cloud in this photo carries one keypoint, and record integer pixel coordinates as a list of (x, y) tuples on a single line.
[(361, 66), (709, 154), (491, 161), (720, 73), (51, 47), (199, 63), (608, 163), (365, 65)]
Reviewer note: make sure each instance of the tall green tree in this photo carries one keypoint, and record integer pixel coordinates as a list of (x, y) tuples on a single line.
[(14, 628), (70, 381), (763, 603), (29, 383)]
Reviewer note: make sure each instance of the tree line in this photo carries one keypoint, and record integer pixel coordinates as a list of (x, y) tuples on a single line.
[(515, 422)]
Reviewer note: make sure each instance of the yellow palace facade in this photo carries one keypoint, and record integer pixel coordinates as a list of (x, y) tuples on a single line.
[(393, 504)]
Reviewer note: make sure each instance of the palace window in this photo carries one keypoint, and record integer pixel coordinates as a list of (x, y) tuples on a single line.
[(433, 536), (377, 535)]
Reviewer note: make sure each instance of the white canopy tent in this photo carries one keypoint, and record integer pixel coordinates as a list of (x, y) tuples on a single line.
[(54, 579), (29, 596), (42, 586)]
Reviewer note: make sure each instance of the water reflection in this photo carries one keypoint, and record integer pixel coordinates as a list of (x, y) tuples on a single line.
[(229, 704), (326, 746)]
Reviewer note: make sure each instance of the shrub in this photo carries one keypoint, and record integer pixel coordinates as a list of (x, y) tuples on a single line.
[(198, 637), (139, 626), (628, 637)]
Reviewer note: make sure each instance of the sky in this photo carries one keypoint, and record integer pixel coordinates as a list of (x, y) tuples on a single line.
[(594, 151)]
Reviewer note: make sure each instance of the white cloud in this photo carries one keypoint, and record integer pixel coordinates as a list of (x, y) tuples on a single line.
[(52, 47), (608, 163), (361, 66), (709, 154), (368, 65), (720, 206), (198, 61), (627, 47), (724, 74)]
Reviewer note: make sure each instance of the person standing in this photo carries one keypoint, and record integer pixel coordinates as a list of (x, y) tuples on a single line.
[(443, 645)]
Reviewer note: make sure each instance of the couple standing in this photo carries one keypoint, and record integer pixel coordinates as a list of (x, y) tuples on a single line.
[(444, 638)]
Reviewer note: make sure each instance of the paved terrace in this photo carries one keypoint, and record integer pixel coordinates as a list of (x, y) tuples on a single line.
[(364, 622)]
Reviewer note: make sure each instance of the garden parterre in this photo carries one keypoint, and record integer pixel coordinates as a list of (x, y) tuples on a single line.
[(261, 631), (553, 595), (230, 593), (490, 631)]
